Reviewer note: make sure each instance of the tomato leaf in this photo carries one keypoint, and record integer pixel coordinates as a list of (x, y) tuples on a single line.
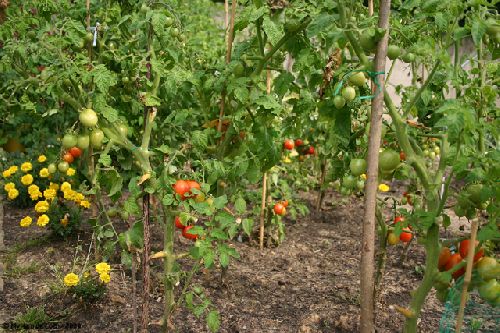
[(272, 31), (247, 225), (478, 30), (213, 321), (240, 205)]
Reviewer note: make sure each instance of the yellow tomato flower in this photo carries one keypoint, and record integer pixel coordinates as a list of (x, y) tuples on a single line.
[(13, 169), (12, 194), (27, 179), (44, 173), (33, 188), (42, 158), (42, 220), (383, 188), (6, 174), (65, 186), (26, 221), (102, 268), (42, 206), (54, 186), (70, 172), (9, 186), (49, 194), (363, 176), (104, 277), (85, 204), (26, 166), (35, 195), (71, 280)]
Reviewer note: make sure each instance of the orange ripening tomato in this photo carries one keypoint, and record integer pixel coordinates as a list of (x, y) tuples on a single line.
[(285, 203), (299, 142), (455, 259), (402, 156), (68, 158), (405, 237), (464, 250), (444, 257)]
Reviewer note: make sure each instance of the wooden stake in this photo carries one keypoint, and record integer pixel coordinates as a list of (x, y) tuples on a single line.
[(367, 283), (370, 7), (467, 277), (263, 211)]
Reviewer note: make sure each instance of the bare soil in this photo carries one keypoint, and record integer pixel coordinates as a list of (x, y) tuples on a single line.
[(308, 284)]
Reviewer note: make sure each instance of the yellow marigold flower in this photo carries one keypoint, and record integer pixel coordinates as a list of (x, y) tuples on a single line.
[(70, 172), (13, 169), (35, 195), (12, 194), (9, 186), (26, 221), (6, 174), (85, 204), (64, 221), (49, 194), (70, 195), (42, 158), (383, 188), (102, 268), (27, 179), (26, 166), (44, 173), (42, 220), (363, 176), (71, 280), (65, 186), (33, 188), (54, 186), (79, 197), (42, 206), (104, 277)]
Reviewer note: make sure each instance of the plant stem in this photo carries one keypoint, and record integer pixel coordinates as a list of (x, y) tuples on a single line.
[(420, 90), (382, 253), (322, 177), (431, 263), (468, 274), (480, 113)]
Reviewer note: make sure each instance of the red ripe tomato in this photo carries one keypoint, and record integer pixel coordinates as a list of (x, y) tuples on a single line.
[(181, 187), (405, 237), (285, 203), (75, 152), (444, 257), (479, 254), (68, 158), (178, 223), (311, 150), (455, 260), (279, 209), (398, 219), (299, 142), (464, 248), (402, 156), (187, 234), (288, 144)]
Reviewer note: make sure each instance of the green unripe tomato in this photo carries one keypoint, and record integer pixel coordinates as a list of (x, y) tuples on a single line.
[(408, 57), (349, 93), (338, 102), (52, 168), (63, 166), (69, 140), (96, 138), (393, 52), (357, 79), (83, 141)]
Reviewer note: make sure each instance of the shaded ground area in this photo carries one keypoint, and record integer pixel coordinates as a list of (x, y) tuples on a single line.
[(308, 284)]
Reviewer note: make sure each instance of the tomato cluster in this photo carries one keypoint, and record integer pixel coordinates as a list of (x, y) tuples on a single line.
[(280, 208), (184, 189)]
